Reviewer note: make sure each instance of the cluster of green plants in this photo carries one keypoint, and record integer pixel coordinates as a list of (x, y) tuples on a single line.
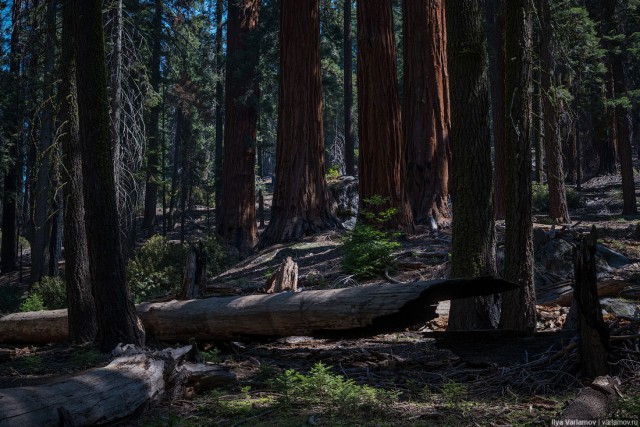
[(157, 267), (48, 294), (333, 173), (369, 247), (333, 393), (540, 197)]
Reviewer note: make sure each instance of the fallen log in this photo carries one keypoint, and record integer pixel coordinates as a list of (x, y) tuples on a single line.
[(355, 311), (593, 402), (105, 395)]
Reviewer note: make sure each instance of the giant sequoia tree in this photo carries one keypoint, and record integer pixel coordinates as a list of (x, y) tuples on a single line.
[(518, 307), (237, 221), (425, 113), (300, 199), (116, 315), (349, 132), (474, 240), (382, 166)]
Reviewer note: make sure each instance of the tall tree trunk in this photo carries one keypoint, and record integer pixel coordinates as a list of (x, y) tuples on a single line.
[(55, 242), (495, 36), (116, 316), (537, 127), (426, 117), (558, 209), (237, 221), (382, 166), (349, 131), (300, 199), (80, 303), (153, 166), (623, 132), (474, 239), (39, 253), (518, 307), (219, 107), (8, 251)]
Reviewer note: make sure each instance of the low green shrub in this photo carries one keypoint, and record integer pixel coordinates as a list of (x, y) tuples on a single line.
[(156, 268), (369, 247), (540, 197), (50, 293)]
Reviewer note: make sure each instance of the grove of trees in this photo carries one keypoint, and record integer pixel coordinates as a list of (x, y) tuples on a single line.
[(120, 119)]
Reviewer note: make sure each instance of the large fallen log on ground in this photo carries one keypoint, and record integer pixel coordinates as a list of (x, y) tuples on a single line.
[(104, 395), (355, 311)]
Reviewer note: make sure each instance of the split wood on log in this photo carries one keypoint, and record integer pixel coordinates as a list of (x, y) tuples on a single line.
[(284, 279), (104, 395), (195, 273), (355, 311)]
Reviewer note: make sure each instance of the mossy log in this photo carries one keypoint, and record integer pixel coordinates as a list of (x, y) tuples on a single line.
[(355, 311)]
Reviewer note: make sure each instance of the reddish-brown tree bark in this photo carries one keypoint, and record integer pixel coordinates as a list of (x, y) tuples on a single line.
[(237, 221), (117, 319), (349, 131), (425, 114), (300, 199), (382, 167), (518, 307)]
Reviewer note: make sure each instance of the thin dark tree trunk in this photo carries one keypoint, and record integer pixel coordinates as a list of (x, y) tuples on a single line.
[(55, 243), (518, 307), (39, 247), (495, 36), (537, 128), (382, 166), (300, 199), (8, 251), (237, 220), (153, 166), (426, 116), (558, 209), (219, 108), (117, 319), (473, 235), (349, 131), (80, 303)]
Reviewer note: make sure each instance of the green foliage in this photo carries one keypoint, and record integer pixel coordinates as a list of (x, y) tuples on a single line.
[(10, 298), (324, 389), (156, 268), (212, 355), (218, 258), (540, 197), (629, 405), (32, 303), (85, 358), (454, 394), (333, 173), (369, 247), (53, 292)]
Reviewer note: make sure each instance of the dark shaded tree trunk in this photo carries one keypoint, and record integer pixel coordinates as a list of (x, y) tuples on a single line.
[(42, 204), (237, 221), (55, 226), (153, 166), (495, 36), (426, 117), (219, 108), (474, 239), (8, 251), (80, 303), (301, 203), (116, 316), (558, 209), (382, 166), (349, 131), (518, 307), (537, 127)]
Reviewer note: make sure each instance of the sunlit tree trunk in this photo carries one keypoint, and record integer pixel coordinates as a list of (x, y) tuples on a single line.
[(300, 199), (349, 132), (426, 116), (382, 168)]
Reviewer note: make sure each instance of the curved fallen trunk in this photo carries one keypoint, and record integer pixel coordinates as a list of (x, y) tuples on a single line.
[(356, 311), (100, 396)]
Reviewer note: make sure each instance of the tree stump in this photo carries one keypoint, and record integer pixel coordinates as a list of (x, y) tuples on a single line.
[(594, 335), (195, 273), (285, 278)]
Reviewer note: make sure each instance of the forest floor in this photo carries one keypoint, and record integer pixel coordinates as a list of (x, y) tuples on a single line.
[(412, 377)]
